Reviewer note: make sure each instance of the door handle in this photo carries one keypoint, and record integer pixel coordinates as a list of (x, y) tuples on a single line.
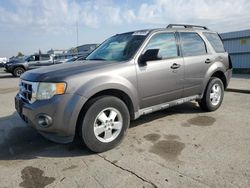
[(208, 61), (175, 66)]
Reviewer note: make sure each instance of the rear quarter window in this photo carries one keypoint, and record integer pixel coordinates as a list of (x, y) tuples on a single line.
[(45, 57), (215, 41)]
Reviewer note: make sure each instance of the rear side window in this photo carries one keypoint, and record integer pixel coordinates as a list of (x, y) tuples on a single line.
[(192, 44), (45, 57), (215, 41), (166, 44)]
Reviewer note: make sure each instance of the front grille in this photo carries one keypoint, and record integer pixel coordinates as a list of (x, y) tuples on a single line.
[(25, 90)]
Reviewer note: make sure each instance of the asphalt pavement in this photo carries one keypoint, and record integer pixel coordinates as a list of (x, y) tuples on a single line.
[(178, 147)]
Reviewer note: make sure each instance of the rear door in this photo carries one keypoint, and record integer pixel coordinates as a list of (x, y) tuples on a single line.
[(45, 60), (197, 60), (218, 47), (159, 81)]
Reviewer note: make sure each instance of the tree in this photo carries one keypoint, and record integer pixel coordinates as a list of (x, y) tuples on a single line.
[(20, 54)]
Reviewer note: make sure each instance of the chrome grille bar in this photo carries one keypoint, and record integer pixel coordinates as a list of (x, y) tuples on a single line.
[(27, 90)]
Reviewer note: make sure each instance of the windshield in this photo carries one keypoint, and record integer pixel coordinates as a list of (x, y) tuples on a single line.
[(120, 47)]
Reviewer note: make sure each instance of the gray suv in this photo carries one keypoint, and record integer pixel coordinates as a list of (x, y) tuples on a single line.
[(127, 76), (18, 66)]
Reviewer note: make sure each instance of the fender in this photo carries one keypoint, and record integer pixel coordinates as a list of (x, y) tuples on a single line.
[(215, 67), (12, 67), (106, 82)]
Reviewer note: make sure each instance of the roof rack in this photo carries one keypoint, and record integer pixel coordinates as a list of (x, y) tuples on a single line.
[(186, 26)]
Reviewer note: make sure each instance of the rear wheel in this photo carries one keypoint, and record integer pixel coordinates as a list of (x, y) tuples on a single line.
[(104, 124), (18, 71), (213, 95)]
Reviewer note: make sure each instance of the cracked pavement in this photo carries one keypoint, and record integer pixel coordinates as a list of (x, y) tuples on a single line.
[(177, 147)]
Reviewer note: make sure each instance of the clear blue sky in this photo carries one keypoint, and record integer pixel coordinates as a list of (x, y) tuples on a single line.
[(30, 25)]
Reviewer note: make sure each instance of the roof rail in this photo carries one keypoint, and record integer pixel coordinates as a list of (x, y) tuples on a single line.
[(186, 26)]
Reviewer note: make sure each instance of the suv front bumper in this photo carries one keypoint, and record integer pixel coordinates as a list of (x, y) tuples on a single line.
[(63, 111)]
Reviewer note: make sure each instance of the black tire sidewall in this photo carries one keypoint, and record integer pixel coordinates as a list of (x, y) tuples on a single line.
[(15, 70), (87, 129), (209, 105)]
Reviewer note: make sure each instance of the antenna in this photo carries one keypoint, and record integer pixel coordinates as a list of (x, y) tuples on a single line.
[(76, 33)]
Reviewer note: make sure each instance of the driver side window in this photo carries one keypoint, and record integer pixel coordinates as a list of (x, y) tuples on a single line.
[(166, 44), (31, 58)]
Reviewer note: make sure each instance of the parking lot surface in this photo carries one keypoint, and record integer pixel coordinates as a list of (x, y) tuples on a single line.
[(178, 147)]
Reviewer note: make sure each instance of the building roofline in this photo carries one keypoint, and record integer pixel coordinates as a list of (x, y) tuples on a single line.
[(235, 34)]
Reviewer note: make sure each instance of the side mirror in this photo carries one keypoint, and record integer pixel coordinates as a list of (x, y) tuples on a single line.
[(149, 55)]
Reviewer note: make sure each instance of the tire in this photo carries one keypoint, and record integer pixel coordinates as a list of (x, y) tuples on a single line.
[(213, 95), (99, 135), (18, 71)]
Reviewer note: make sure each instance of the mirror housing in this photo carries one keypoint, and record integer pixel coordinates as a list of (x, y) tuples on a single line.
[(149, 55)]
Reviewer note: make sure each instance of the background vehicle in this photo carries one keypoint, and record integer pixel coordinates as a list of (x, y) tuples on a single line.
[(86, 49), (81, 51), (62, 58), (76, 59), (129, 75), (3, 61), (19, 66)]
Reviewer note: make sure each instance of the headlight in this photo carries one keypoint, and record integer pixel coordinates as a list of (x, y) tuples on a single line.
[(48, 90)]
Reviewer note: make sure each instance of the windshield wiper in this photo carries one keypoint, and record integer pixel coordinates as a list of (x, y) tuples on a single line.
[(98, 59)]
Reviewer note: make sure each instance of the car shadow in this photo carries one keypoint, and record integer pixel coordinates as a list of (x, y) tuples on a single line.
[(20, 142), (5, 75)]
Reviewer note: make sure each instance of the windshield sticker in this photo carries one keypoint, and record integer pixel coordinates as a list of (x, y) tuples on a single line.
[(143, 33)]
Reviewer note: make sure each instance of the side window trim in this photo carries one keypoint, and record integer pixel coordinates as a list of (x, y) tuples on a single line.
[(176, 42), (37, 57), (180, 43)]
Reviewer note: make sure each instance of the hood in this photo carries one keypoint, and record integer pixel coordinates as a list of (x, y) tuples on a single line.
[(14, 61), (61, 71)]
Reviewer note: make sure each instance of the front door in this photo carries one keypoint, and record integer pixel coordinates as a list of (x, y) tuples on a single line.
[(160, 81)]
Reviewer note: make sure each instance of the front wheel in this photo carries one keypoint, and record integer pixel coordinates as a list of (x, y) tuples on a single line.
[(18, 71), (104, 123), (213, 95)]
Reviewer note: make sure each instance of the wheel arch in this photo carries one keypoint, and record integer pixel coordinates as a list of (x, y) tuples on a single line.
[(116, 93), (216, 70), (107, 92), (219, 74)]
